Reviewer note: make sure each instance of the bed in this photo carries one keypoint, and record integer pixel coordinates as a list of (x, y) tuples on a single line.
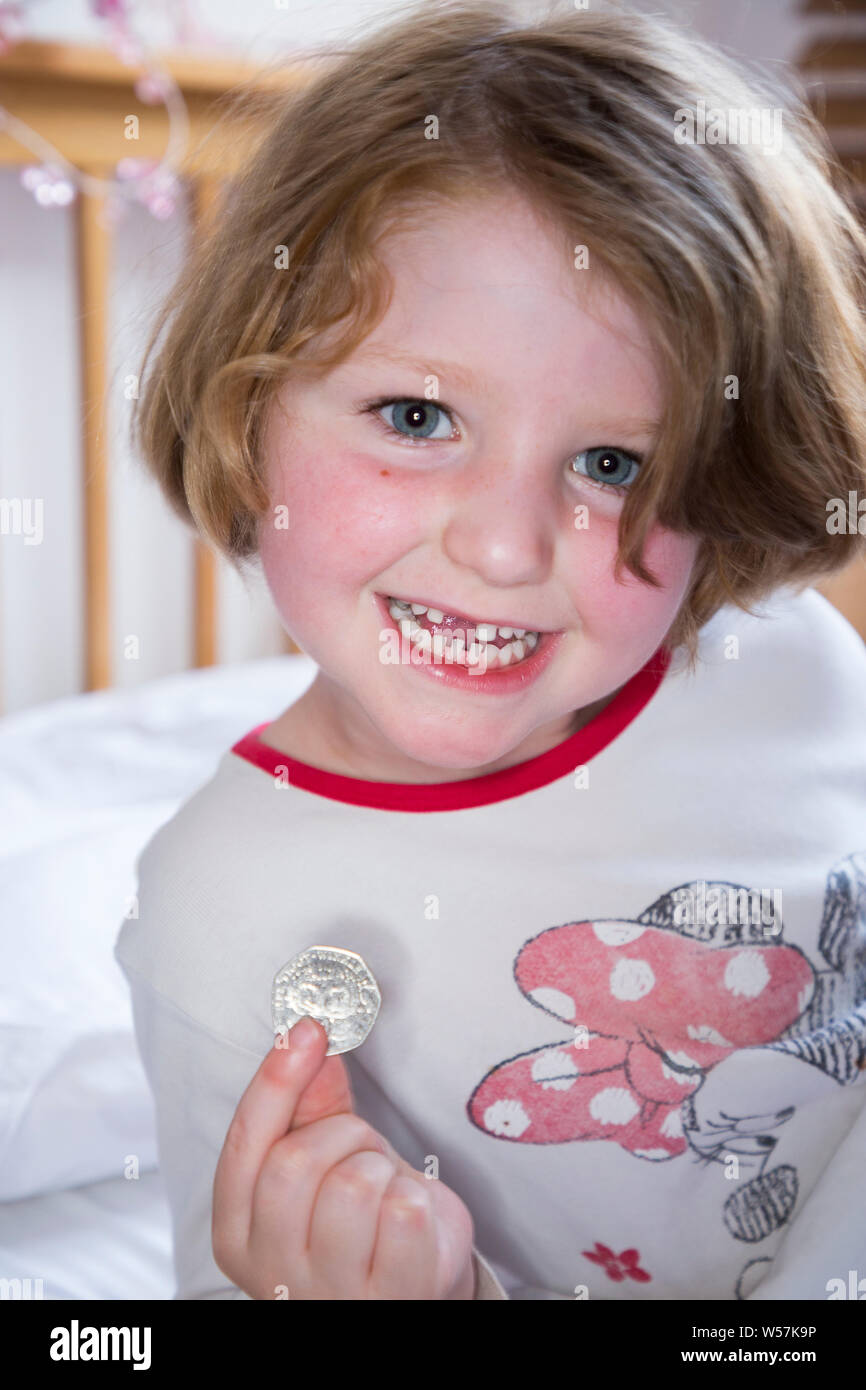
[(87, 780)]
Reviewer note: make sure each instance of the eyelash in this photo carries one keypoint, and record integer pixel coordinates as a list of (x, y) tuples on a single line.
[(372, 407)]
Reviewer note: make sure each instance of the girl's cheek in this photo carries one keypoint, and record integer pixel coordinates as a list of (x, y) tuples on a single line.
[(630, 606), (346, 522)]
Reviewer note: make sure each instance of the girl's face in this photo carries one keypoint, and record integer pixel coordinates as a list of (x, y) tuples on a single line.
[(486, 498)]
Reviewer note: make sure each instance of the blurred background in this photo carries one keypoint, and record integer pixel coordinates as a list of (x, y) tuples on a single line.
[(82, 271)]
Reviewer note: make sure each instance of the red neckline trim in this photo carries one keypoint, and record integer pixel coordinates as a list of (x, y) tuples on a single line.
[(528, 776)]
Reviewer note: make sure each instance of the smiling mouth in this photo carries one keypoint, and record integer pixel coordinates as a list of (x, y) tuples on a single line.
[(463, 641)]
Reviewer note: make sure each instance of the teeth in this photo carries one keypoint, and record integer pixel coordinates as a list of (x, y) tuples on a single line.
[(446, 647)]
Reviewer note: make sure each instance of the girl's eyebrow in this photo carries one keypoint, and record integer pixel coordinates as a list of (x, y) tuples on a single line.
[(461, 375), (470, 382)]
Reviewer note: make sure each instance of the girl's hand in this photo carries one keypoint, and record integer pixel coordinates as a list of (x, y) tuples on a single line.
[(311, 1201)]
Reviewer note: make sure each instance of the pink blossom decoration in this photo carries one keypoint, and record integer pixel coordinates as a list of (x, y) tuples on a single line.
[(158, 188), (49, 185)]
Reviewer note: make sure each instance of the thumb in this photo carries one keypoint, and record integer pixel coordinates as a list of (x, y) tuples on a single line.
[(329, 1092)]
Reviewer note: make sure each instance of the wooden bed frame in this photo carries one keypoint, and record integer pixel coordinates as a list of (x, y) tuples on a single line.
[(77, 99)]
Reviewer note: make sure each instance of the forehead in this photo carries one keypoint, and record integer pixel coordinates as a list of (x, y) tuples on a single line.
[(491, 284)]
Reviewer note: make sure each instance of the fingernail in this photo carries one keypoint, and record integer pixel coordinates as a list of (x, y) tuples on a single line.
[(303, 1032)]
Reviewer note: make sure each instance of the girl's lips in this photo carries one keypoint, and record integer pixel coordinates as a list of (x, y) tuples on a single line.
[(500, 680)]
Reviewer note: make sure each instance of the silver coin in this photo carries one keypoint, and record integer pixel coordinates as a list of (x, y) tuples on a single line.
[(333, 986)]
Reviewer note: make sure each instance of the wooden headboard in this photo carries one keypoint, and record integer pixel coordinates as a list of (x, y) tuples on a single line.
[(78, 98)]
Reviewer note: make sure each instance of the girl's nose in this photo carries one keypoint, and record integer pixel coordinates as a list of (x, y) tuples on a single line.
[(501, 525)]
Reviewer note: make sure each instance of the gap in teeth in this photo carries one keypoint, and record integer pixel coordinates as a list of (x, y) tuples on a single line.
[(516, 642)]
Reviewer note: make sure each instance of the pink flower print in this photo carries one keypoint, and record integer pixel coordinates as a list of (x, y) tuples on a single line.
[(657, 1010), (618, 1267)]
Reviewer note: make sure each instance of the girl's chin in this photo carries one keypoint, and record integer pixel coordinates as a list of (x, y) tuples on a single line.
[(434, 746)]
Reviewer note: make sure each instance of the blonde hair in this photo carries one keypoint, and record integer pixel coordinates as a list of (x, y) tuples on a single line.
[(747, 264)]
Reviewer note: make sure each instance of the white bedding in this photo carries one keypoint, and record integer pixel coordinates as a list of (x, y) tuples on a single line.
[(109, 1239), (84, 783)]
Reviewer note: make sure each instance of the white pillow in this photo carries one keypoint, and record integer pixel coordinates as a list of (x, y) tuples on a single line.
[(74, 1099), (86, 782), (75, 1115)]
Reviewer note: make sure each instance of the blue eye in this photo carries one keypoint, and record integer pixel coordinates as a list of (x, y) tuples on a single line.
[(415, 420), (608, 467), (420, 418)]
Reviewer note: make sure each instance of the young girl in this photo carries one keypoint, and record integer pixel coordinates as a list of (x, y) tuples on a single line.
[(533, 376)]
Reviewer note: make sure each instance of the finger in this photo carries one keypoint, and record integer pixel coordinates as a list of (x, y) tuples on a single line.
[(328, 1093), (345, 1220), (399, 1161), (455, 1235), (294, 1170), (405, 1260), (264, 1114)]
